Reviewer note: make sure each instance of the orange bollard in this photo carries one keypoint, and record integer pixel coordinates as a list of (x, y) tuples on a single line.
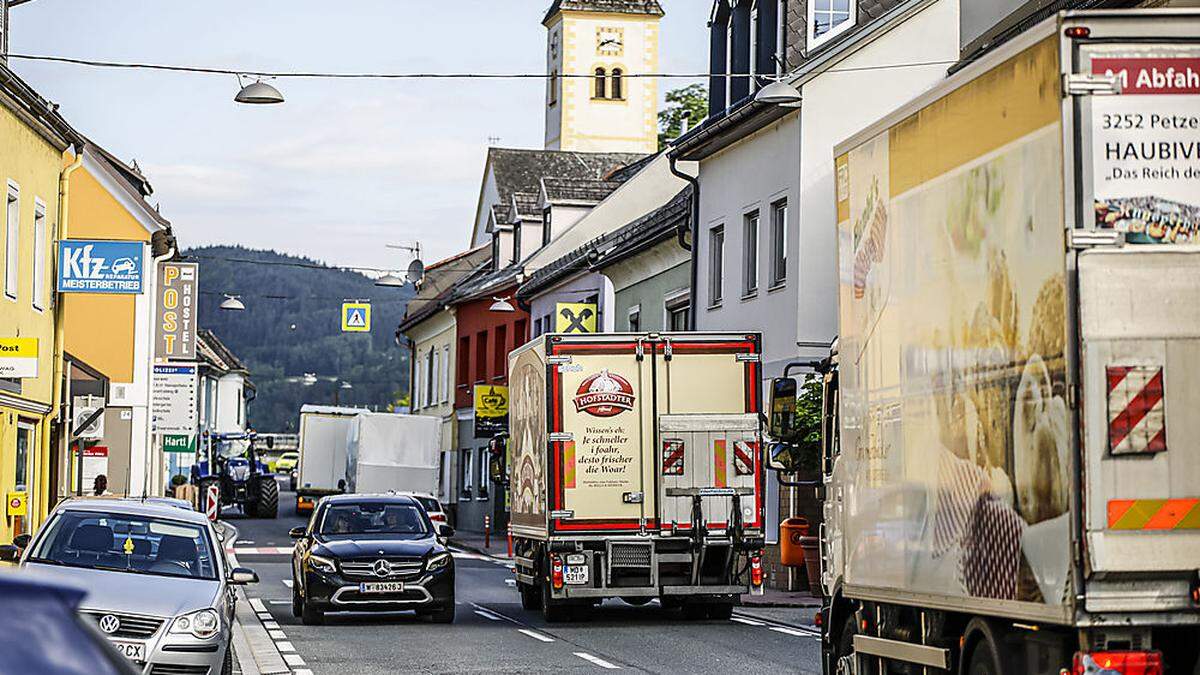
[(510, 540), (487, 532)]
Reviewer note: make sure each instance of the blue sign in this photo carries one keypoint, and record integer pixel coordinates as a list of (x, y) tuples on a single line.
[(100, 266)]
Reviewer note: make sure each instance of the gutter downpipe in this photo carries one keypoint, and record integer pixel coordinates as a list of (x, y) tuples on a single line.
[(695, 228), (56, 414)]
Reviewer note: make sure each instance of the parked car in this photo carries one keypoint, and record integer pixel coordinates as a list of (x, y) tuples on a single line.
[(286, 462), (372, 553), (159, 584), (41, 631), (431, 505)]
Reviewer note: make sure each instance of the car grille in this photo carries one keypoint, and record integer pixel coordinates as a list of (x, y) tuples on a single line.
[(630, 555), (175, 669), (132, 625), (398, 568)]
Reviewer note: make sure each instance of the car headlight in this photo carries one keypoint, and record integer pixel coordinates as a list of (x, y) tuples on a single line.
[(321, 564), (438, 561), (201, 624)]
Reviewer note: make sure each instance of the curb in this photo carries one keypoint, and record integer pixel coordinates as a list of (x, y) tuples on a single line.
[(253, 648), (471, 548)]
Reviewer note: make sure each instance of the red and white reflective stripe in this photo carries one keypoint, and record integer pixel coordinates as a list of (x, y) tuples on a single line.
[(212, 507), (1136, 420), (672, 464), (743, 457)]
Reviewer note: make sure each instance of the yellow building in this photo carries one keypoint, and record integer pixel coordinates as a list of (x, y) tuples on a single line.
[(33, 139), (607, 40), (113, 333)]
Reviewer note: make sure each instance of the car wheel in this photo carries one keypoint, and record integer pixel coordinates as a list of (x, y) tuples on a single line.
[(311, 616), (531, 599), (552, 610), (445, 614), (297, 601)]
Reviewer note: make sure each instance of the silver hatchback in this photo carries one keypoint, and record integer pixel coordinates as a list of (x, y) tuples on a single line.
[(157, 580)]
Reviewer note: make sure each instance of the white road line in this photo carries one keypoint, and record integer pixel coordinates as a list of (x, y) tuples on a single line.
[(263, 616), (748, 622), (487, 615), (270, 625), (535, 635), (258, 605), (277, 635), (510, 582), (293, 660), (597, 660), (284, 646), (287, 582), (791, 631), (302, 671), (496, 614)]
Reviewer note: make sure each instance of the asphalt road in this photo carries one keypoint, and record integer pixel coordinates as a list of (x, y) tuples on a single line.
[(492, 634)]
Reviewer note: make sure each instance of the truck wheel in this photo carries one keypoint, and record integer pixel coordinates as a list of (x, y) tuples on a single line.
[(637, 600), (552, 610), (268, 498), (531, 598), (843, 658), (721, 611)]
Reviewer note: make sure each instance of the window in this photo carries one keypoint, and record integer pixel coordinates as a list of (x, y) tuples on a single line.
[(39, 254), (24, 445), (431, 383), (716, 265), (516, 252), (779, 212), (827, 18), (677, 309), (12, 237), (467, 475), (500, 355), (481, 356), (635, 319), (618, 84), (444, 384), (601, 81), (464, 360), (484, 478), (548, 323), (552, 96), (496, 264), (750, 254), (520, 334)]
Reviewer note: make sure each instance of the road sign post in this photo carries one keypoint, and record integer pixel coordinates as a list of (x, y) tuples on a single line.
[(212, 503)]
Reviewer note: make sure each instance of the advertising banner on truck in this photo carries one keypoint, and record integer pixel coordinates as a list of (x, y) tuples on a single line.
[(1146, 143), (954, 419)]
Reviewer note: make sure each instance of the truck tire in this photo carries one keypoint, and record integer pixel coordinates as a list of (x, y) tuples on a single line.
[(986, 658), (531, 597), (983, 660), (268, 498), (552, 610), (844, 656)]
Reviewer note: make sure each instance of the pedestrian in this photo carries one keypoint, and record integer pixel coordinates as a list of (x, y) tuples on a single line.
[(100, 486)]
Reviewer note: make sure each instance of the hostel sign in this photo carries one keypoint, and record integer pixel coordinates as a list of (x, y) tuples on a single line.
[(175, 311), (100, 266)]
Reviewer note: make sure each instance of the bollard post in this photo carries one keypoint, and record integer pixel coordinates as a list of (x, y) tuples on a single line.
[(487, 532), (510, 539)]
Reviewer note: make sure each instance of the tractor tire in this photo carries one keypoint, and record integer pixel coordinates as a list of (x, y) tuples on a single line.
[(267, 505)]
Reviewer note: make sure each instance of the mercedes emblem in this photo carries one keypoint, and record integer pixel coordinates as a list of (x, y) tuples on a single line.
[(381, 568), (110, 624)]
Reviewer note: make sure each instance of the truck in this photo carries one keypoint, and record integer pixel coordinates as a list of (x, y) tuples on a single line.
[(1010, 475), (635, 470), (356, 450)]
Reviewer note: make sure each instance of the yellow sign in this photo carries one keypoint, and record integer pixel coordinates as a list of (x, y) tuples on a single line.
[(491, 409), (18, 357), (575, 317), (15, 504), (356, 317)]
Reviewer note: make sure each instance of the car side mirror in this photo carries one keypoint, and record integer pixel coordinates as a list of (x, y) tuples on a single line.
[(297, 532), (22, 540), (10, 553), (242, 575), (445, 530)]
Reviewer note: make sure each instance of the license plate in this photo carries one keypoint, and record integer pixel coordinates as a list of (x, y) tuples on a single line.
[(382, 587), (134, 651), (575, 575)]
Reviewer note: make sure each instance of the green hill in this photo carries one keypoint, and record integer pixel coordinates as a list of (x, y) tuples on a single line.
[(292, 326)]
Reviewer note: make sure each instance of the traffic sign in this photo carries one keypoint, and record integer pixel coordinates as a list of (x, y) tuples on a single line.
[(16, 504), (356, 317), (212, 505)]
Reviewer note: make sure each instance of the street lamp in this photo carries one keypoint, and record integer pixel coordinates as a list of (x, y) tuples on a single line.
[(779, 93), (390, 280), (502, 305), (233, 303), (258, 93)]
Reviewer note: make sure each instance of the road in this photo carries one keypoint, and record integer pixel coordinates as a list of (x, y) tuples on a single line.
[(492, 634)]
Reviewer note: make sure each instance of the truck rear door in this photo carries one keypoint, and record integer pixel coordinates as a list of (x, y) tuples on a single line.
[(601, 426), (709, 430)]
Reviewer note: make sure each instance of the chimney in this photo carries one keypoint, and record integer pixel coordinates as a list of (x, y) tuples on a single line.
[(4, 32)]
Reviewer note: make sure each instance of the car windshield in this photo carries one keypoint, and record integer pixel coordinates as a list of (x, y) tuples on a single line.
[(359, 519), (127, 543)]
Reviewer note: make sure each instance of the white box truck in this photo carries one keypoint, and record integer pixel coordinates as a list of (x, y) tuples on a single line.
[(635, 470), (1012, 456), (324, 436)]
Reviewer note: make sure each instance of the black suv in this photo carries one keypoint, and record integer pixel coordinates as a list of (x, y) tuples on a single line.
[(372, 553)]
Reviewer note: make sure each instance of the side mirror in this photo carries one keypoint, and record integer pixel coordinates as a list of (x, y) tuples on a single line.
[(445, 530), (242, 575), (22, 540), (782, 422), (297, 532), (10, 553), (783, 457)]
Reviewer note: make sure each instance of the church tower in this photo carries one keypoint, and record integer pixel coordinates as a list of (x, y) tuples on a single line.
[(605, 40)]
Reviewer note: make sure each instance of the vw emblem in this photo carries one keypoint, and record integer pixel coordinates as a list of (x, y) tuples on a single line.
[(381, 568), (110, 624)]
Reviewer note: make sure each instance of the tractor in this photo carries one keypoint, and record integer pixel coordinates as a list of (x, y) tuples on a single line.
[(229, 461)]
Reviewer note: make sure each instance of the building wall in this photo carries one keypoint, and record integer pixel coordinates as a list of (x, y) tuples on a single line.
[(437, 334), (577, 289), (588, 124), (649, 295)]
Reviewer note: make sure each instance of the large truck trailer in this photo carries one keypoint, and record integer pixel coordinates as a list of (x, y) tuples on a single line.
[(1011, 479), (636, 470)]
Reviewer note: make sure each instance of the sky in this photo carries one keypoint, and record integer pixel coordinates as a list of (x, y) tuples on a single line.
[(343, 168)]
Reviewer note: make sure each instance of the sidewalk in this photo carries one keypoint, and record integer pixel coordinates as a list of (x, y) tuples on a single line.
[(474, 542), (254, 651)]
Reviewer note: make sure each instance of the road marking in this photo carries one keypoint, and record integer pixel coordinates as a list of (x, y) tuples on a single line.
[(496, 614), (748, 622), (597, 660), (287, 582), (244, 541), (535, 635), (791, 631), (487, 615), (302, 671), (258, 605), (285, 646), (277, 634), (293, 660), (270, 625)]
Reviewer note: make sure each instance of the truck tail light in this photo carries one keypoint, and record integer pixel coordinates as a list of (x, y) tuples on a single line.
[(1118, 663), (756, 574), (672, 457), (556, 572)]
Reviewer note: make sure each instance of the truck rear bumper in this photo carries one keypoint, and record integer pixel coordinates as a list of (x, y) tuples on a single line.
[(650, 592)]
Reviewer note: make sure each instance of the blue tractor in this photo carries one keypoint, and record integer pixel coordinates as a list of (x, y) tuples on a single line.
[(229, 461)]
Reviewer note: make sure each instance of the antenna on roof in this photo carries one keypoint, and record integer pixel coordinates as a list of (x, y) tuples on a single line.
[(493, 140)]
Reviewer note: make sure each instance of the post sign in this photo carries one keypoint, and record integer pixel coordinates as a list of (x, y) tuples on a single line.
[(175, 311), (491, 410), (100, 266), (173, 399), (575, 317), (18, 357), (356, 317)]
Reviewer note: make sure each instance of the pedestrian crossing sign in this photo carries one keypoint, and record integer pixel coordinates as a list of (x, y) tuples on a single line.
[(356, 317)]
